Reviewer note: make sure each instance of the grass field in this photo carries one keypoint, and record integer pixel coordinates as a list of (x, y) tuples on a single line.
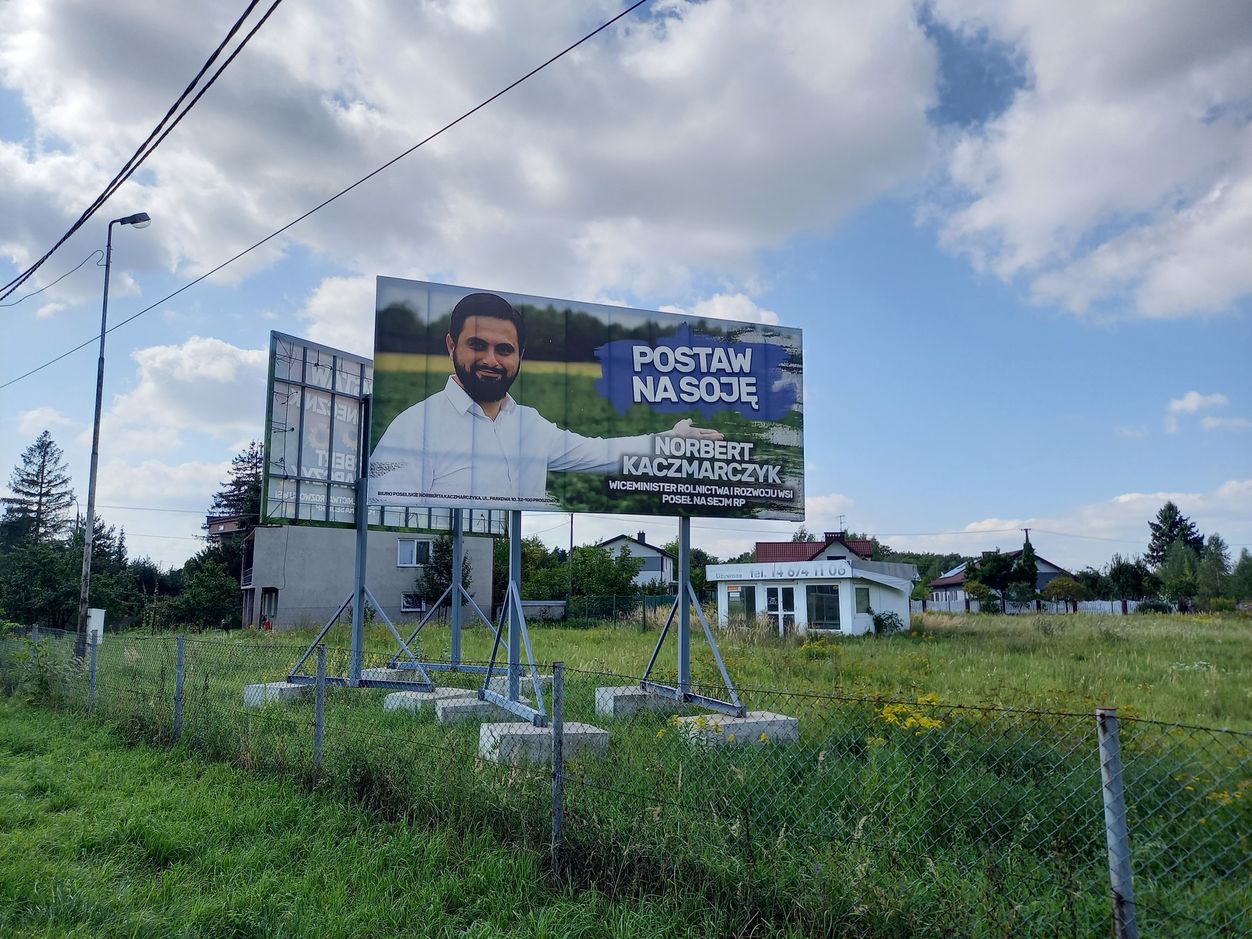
[(1184, 669), (885, 819), (104, 840)]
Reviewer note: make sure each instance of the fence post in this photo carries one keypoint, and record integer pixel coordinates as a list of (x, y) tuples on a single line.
[(180, 661), (1124, 919), (91, 682), (34, 632), (558, 762), (319, 706)]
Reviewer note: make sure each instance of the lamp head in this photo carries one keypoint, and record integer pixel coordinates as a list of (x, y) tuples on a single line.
[(139, 220)]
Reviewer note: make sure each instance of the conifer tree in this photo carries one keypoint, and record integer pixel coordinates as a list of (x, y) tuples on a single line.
[(1170, 526), (41, 497)]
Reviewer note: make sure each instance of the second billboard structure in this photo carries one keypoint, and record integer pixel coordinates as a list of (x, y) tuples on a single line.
[(486, 399)]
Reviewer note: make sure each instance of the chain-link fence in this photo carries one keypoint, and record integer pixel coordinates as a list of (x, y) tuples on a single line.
[(819, 813)]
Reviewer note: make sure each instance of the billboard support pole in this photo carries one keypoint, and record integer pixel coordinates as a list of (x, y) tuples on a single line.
[(458, 561), (683, 602), (513, 615), (684, 607), (362, 543)]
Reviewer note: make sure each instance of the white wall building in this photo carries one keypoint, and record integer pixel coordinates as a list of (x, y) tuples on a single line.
[(817, 595), (297, 575)]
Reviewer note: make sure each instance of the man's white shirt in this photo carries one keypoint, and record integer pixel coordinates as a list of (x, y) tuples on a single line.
[(446, 446)]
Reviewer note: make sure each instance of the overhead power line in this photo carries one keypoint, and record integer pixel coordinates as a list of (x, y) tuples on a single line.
[(343, 192), (35, 293), (155, 138)]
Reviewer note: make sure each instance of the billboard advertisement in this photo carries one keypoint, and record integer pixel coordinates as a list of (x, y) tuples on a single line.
[(489, 399)]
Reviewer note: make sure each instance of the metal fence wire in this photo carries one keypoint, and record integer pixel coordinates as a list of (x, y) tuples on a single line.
[(820, 813)]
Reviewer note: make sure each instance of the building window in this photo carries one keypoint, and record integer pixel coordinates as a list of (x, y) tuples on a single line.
[(410, 603), (823, 602), (412, 552), (741, 602), (862, 599)]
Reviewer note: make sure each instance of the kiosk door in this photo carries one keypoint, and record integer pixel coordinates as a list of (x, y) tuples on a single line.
[(780, 603)]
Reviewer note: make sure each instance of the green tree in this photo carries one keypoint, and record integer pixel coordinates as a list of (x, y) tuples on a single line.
[(1171, 526), (41, 495), (436, 575), (545, 572), (597, 573), (1064, 590), (995, 571), (1241, 577), (1213, 571), (803, 534), (209, 599), (1130, 579), (1026, 567), (1095, 584), (1178, 574), (238, 497), (39, 582)]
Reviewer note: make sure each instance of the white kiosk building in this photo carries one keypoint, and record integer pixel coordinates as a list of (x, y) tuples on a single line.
[(834, 589)]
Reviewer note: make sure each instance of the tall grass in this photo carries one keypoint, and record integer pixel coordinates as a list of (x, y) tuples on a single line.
[(102, 840)]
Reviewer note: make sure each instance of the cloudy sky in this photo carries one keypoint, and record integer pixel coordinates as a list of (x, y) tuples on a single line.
[(1016, 234)]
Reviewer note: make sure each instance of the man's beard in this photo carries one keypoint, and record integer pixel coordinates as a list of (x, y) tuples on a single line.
[(484, 385)]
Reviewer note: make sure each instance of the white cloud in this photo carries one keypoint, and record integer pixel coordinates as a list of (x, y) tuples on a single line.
[(677, 143), (734, 306), (34, 422), (1190, 403), (1133, 432), (1120, 178), (159, 504), (1225, 423), (204, 386), (49, 310), (340, 314)]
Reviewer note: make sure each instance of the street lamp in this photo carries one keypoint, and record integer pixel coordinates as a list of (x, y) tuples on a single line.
[(139, 220)]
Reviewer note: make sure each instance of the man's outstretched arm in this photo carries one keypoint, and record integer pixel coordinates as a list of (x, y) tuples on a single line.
[(571, 452)]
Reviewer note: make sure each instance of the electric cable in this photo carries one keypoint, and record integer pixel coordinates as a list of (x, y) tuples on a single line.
[(343, 192), (34, 293), (144, 150)]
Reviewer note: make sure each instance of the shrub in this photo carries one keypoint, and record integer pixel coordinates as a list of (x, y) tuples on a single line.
[(887, 623), (1153, 606)]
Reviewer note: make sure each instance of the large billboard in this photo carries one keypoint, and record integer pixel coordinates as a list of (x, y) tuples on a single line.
[(498, 400)]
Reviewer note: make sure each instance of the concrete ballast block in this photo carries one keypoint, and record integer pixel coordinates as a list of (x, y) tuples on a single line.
[(628, 700), (500, 683), (416, 700), (516, 742), (390, 674), (756, 728), (454, 710), (255, 696)]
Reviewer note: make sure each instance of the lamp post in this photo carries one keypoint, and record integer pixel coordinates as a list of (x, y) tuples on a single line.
[(139, 220)]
